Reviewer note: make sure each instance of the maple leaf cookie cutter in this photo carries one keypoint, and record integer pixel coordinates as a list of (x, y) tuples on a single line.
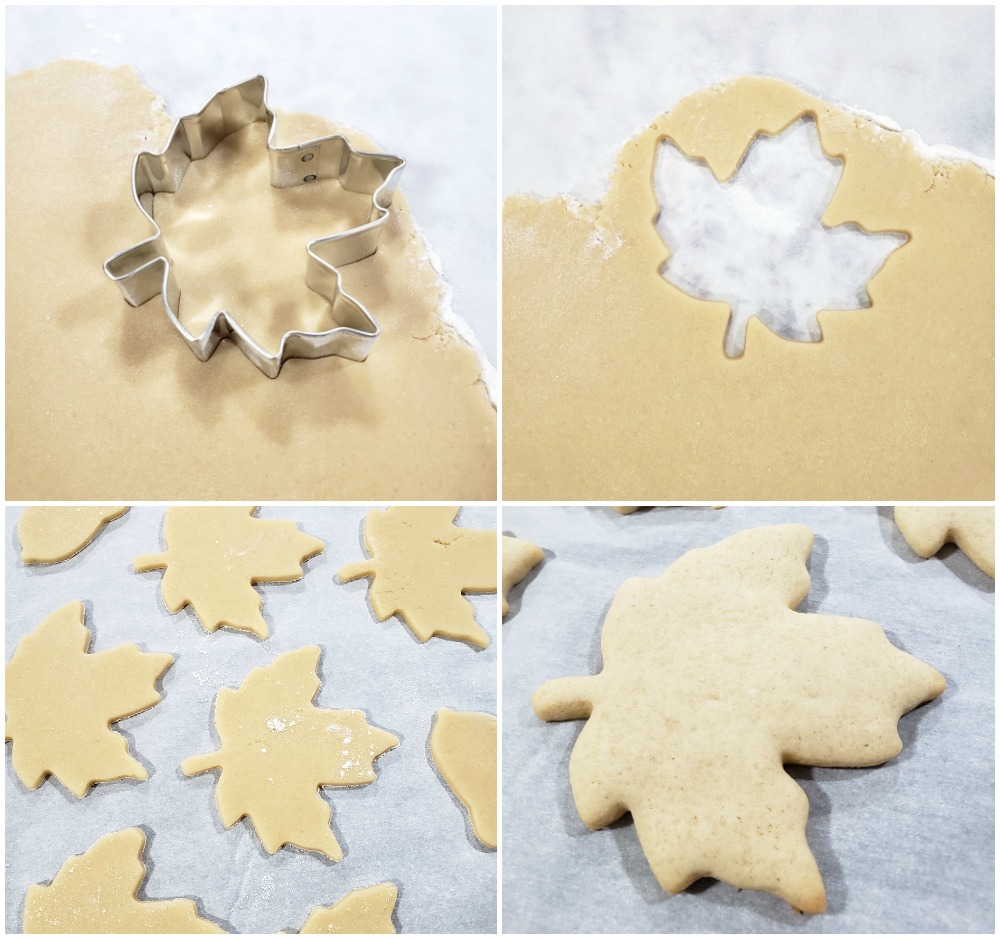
[(146, 269)]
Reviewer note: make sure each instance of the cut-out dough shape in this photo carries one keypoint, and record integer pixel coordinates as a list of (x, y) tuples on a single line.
[(278, 748), (711, 683), (464, 747), (519, 557), (926, 528), (95, 892), (654, 406), (61, 702), (214, 557), (365, 911), (53, 533), (421, 565)]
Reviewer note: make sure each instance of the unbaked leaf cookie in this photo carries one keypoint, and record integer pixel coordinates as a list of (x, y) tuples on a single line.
[(216, 554), (365, 911), (95, 892), (712, 682), (278, 748), (519, 557), (464, 747), (52, 533), (62, 700), (927, 528), (421, 565)]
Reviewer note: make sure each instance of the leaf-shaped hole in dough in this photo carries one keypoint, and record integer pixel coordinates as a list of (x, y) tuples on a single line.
[(757, 240)]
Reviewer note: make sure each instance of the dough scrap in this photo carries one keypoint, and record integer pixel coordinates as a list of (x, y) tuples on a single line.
[(365, 911), (711, 683), (53, 533), (519, 558), (216, 554), (926, 528), (157, 424), (464, 747), (95, 892), (682, 420), (278, 748), (62, 700), (421, 564)]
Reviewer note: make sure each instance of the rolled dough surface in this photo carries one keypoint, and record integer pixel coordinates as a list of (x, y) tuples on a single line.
[(927, 528), (464, 747), (421, 565), (214, 556), (628, 372), (367, 910), (61, 700), (278, 748), (95, 892), (519, 557), (53, 533), (413, 421)]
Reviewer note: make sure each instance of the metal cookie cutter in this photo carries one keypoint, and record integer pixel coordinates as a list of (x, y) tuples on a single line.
[(146, 269)]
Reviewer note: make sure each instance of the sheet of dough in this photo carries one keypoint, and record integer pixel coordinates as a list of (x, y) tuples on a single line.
[(104, 399), (627, 372)]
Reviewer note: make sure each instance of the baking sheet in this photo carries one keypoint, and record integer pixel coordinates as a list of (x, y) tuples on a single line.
[(905, 847), (406, 827)]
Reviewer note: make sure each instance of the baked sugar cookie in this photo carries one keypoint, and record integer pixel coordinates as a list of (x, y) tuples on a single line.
[(712, 682), (927, 528), (519, 557)]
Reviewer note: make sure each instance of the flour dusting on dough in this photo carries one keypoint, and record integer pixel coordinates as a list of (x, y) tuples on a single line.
[(936, 153)]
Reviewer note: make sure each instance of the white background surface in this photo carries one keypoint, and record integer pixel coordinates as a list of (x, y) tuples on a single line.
[(904, 847), (406, 827), (579, 81), (421, 81)]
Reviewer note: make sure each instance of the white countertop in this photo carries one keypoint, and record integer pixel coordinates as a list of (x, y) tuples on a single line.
[(579, 81)]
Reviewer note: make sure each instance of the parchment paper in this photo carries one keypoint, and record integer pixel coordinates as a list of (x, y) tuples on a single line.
[(406, 827), (905, 847)]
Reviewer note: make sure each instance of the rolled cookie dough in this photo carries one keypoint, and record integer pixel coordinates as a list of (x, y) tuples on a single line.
[(61, 702), (421, 565), (926, 528), (278, 748), (95, 892), (895, 402), (711, 682), (464, 747), (365, 911), (103, 399), (52, 533), (214, 556), (518, 558)]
